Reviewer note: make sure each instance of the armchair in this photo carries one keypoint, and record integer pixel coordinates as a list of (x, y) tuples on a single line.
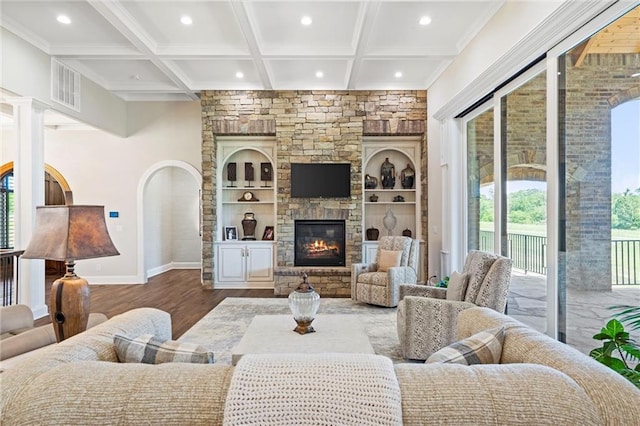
[(427, 319), (377, 283)]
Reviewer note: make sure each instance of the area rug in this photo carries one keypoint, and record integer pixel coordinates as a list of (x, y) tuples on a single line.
[(222, 328)]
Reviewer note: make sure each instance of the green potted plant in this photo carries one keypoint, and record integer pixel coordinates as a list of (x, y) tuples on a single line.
[(619, 351)]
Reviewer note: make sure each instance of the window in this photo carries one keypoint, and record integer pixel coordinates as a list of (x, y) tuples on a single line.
[(6, 211)]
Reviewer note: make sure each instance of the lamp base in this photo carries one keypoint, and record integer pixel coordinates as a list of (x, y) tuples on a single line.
[(304, 327), (69, 306)]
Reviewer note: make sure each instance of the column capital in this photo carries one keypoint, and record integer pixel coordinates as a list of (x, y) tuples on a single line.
[(18, 101)]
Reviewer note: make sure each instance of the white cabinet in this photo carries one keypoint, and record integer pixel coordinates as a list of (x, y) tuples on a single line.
[(244, 265)]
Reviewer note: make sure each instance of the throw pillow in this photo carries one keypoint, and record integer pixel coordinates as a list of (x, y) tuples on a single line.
[(484, 347), (147, 349), (457, 286), (388, 259)]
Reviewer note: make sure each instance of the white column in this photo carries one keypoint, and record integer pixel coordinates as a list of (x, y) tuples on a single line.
[(28, 172)]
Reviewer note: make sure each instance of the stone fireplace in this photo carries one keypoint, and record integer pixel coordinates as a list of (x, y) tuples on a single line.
[(319, 243)]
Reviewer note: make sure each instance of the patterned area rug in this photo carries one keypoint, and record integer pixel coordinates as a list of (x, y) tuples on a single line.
[(222, 328)]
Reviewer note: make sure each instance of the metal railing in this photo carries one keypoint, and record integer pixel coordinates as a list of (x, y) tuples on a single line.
[(9, 275), (528, 253), (625, 261)]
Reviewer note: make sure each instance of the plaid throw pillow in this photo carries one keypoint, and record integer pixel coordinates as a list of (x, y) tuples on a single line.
[(484, 347), (147, 349)]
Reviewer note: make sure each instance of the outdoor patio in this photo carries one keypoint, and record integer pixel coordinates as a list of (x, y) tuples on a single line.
[(587, 311)]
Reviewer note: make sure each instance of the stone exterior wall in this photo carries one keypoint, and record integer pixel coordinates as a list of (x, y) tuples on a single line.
[(592, 89), (309, 126)]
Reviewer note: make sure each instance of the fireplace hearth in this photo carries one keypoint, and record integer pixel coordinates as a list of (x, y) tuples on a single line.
[(319, 243)]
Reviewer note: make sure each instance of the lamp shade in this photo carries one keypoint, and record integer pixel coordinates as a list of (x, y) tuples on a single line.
[(70, 233)]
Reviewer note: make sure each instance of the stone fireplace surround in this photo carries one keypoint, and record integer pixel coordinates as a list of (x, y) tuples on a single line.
[(309, 126)]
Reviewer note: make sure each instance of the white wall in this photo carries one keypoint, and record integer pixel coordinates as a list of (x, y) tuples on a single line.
[(186, 245), (157, 220), (105, 169)]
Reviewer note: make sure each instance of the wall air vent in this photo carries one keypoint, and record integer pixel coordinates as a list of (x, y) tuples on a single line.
[(65, 85)]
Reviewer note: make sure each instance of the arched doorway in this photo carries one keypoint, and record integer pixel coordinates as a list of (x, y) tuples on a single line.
[(169, 219)]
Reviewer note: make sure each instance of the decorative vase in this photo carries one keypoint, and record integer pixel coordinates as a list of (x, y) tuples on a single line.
[(406, 233), (389, 221), (249, 226), (407, 177), (370, 182), (373, 198), (372, 234), (304, 302), (388, 174)]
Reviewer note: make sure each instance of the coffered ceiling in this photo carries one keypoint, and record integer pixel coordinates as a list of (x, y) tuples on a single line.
[(141, 50)]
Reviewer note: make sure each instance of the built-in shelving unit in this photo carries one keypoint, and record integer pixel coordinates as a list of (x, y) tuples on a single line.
[(245, 263), (402, 152)]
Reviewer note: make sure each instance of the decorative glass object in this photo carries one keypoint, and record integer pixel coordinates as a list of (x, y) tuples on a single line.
[(407, 177), (388, 174), (370, 182), (389, 221), (304, 303)]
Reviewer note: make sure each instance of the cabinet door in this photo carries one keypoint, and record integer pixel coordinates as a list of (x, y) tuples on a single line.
[(369, 249), (231, 262), (260, 263)]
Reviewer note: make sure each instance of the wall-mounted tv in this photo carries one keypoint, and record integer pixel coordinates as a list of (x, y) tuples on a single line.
[(326, 180)]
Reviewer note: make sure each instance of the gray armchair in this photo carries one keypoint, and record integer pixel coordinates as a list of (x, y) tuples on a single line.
[(371, 285), (427, 320)]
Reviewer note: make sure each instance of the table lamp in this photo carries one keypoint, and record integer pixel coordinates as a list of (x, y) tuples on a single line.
[(69, 233)]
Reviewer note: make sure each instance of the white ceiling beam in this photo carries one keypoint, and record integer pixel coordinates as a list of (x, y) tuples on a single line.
[(370, 12), (239, 9), (122, 21)]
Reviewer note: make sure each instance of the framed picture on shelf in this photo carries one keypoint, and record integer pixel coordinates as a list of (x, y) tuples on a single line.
[(230, 233), (268, 233)]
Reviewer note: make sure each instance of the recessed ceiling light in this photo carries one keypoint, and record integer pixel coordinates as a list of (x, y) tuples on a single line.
[(306, 20), (425, 20), (136, 77), (319, 74), (186, 20), (398, 74), (239, 74), (63, 19)]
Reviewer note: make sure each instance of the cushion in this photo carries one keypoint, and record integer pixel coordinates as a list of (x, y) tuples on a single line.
[(484, 347), (374, 278), (457, 286), (388, 259), (148, 349)]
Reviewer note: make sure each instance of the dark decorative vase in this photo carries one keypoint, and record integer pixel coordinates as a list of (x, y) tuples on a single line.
[(249, 226), (370, 182), (388, 174), (373, 198), (372, 234), (406, 233), (407, 177)]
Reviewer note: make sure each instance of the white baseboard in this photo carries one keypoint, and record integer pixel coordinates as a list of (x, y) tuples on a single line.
[(172, 265)]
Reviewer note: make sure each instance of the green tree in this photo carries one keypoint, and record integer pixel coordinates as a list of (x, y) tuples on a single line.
[(625, 210), (486, 209), (527, 206)]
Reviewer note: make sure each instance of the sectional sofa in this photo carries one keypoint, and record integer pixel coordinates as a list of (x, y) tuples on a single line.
[(538, 381)]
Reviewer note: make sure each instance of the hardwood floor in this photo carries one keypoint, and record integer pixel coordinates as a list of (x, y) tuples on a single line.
[(178, 292)]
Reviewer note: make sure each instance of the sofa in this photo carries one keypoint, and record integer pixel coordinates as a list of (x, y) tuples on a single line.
[(19, 337), (538, 381)]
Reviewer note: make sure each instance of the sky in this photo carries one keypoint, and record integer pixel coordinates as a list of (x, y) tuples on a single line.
[(625, 147)]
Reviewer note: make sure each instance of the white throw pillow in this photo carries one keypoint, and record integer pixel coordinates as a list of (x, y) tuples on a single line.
[(388, 259), (457, 287)]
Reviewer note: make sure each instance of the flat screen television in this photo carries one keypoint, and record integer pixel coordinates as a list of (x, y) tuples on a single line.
[(325, 180)]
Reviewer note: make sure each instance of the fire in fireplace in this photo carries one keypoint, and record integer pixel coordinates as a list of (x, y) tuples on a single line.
[(319, 243)]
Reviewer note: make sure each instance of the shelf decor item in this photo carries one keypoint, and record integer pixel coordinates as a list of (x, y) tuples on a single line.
[(231, 174), (248, 173), (370, 182), (248, 196), (389, 221), (249, 223), (373, 198), (266, 174), (69, 233), (407, 177), (230, 233), (406, 233), (268, 233), (372, 234), (304, 303), (388, 174)]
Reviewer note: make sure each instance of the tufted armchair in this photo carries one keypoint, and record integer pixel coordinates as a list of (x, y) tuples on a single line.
[(427, 316), (377, 283)]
